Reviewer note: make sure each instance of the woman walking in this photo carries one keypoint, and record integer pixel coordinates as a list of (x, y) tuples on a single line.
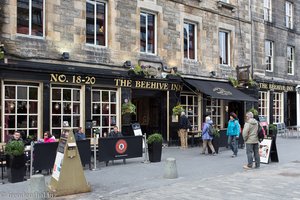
[(233, 133), (206, 137)]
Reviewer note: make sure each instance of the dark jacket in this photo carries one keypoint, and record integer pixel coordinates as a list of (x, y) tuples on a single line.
[(113, 134), (184, 123)]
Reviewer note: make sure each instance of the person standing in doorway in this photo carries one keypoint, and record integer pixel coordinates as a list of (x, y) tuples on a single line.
[(251, 141), (207, 139), (79, 135), (233, 133), (184, 125)]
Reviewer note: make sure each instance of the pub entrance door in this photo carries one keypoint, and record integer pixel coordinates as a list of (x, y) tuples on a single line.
[(151, 111)]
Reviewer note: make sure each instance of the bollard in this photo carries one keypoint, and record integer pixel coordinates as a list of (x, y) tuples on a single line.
[(170, 168), (37, 187)]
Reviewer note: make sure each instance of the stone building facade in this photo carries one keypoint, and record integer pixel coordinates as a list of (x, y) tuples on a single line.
[(167, 35), (275, 39)]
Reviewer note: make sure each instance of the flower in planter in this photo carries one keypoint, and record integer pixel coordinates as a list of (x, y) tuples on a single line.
[(254, 111), (234, 82), (128, 107), (177, 109), (14, 148), (216, 131)]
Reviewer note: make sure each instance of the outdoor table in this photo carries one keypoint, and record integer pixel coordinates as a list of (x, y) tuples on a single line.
[(294, 129), (193, 133)]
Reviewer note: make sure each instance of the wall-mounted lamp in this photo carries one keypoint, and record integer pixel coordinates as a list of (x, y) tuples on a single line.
[(213, 74), (166, 69), (127, 64), (174, 69), (65, 55)]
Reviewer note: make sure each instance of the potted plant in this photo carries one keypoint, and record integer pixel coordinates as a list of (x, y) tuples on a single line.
[(128, 108), (15, 159), (136, 71), (254, 111), (155, 147), (234, 82), (272, 131), (177, 109)]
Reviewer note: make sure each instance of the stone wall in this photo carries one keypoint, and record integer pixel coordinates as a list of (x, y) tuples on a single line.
[(280, 35), (65, 31)]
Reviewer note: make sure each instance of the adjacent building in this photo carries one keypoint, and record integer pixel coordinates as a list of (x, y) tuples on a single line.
[(275, 35)]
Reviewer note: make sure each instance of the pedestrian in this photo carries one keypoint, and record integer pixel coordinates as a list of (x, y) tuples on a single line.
[(184, 125), (251, 141), (207, 139), (115, 133), (16, 136), (79, 135), (233, 133), (48, 137)]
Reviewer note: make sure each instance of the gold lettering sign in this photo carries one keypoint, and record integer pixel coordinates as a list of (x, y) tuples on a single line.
[(273, 86), (61, 78), (147, 85)]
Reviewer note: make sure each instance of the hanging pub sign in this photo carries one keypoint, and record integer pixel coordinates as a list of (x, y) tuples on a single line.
[(279, 87), (142, 84)]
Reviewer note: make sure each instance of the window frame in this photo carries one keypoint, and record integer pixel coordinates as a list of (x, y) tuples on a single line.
[(193, 108), (290, 60), (100, 115), (263, 106), (289, 14), (146, 14), (218, 106), (228, 49), (278, 116), (30, 21), (62, 101), (95, 2), (270, 55), (268, 9), (16, 99), (195, 40)]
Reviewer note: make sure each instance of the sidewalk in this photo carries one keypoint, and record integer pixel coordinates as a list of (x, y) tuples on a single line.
[(200, 177)]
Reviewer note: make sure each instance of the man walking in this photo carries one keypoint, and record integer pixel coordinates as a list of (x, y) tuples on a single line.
[(184, 125), (251, 141)]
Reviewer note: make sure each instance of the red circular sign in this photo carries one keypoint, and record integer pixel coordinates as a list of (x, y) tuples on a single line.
[(121, 146)]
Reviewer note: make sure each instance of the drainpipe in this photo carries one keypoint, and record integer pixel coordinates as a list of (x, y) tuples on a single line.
[(251, 39), (298, 104)]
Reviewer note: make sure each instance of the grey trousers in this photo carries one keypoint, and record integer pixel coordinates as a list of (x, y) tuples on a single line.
[(252, 149)]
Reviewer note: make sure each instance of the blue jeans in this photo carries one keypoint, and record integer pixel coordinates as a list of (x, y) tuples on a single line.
[(250, 150), (233, 144)]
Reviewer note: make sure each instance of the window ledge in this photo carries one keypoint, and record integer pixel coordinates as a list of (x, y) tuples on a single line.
[(18, 35), (228, 6), (269, 23)]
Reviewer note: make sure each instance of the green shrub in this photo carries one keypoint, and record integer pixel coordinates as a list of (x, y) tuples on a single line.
[(177, 110), (254, 111), (155, 138), (272, 127), (128, 108), (14, 148)]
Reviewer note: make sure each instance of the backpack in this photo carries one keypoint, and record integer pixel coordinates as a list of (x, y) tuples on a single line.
[(260, 133), (210, 130)]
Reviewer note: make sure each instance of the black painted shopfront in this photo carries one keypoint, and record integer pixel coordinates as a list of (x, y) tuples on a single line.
[(38, 97)]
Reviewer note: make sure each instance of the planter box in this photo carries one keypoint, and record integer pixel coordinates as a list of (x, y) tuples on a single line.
[(15, 168), (154, 150), (216, 144)]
